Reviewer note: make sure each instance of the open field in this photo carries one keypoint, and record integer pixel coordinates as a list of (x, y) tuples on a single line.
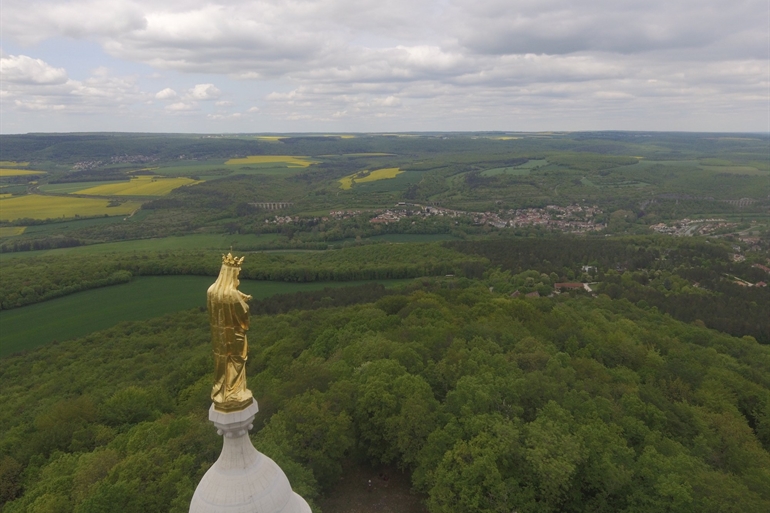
[(11, 163), (13, 189), (373, 176), (19, 172), (290, 161), (143, 298), (11, 231), (215, 241), (72, 224), (33, 206), (139, 186), (69, 188)]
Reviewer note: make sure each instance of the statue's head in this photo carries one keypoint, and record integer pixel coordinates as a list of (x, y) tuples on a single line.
[(231, 261), (226, 286)]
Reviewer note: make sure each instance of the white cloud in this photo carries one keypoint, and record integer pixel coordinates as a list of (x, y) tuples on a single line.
[(234, 115), (253, 110), (166, 94), (204, 92), (35, 85), (181, 106), (21, 69), (424, 61), (33, 21)]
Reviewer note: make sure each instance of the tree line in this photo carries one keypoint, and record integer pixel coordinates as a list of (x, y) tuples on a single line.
[(29, 280)]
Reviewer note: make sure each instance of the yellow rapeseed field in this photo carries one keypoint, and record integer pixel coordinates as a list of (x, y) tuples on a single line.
[(361, 177), (13, 163), (4, 171), (36, 206), (273, 159), (10, 231), (139, 186)]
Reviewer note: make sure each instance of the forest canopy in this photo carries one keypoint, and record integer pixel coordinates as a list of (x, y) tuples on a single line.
[(492, 403)]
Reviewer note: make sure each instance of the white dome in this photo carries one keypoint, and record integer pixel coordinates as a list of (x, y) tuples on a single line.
[(243, 480)]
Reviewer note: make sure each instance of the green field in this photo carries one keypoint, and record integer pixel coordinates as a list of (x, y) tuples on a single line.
[(215, 241), (142, 298), (34, 206), (68, 188)]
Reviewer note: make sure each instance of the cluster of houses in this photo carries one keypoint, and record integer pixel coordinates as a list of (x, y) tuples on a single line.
[(689, 227), (117, 159), (283, 220), (558, 288), (574, 218)]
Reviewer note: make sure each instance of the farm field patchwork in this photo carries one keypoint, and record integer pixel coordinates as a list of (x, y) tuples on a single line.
[(139, 186), (288, 160), (373, 176), (145, 297), (34, 206), (19, 172)]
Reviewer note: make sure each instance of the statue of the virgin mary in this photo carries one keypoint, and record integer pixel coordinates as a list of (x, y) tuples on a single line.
[(229, 318)]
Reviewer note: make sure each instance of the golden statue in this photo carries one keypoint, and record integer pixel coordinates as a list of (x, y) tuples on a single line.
[(229, 318)]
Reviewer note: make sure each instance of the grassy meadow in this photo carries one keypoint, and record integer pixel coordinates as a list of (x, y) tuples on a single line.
[(35, 206), (202, 241), (142, 298)]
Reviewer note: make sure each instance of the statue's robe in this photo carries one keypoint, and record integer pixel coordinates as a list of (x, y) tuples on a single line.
[(229, 319)]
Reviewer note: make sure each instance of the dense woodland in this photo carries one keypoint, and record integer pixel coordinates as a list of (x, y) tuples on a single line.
[(688, 279), (493, 404)]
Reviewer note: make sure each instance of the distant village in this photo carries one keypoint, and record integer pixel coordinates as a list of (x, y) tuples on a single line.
[(571, 219), (118, 159), (689, 227)]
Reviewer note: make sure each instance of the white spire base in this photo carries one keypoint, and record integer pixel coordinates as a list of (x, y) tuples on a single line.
[(243, 480)]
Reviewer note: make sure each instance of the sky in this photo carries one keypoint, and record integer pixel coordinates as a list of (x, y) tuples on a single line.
[(337, 66)]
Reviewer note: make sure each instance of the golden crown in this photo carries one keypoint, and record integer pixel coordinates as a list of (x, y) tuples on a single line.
[(232, 261)]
